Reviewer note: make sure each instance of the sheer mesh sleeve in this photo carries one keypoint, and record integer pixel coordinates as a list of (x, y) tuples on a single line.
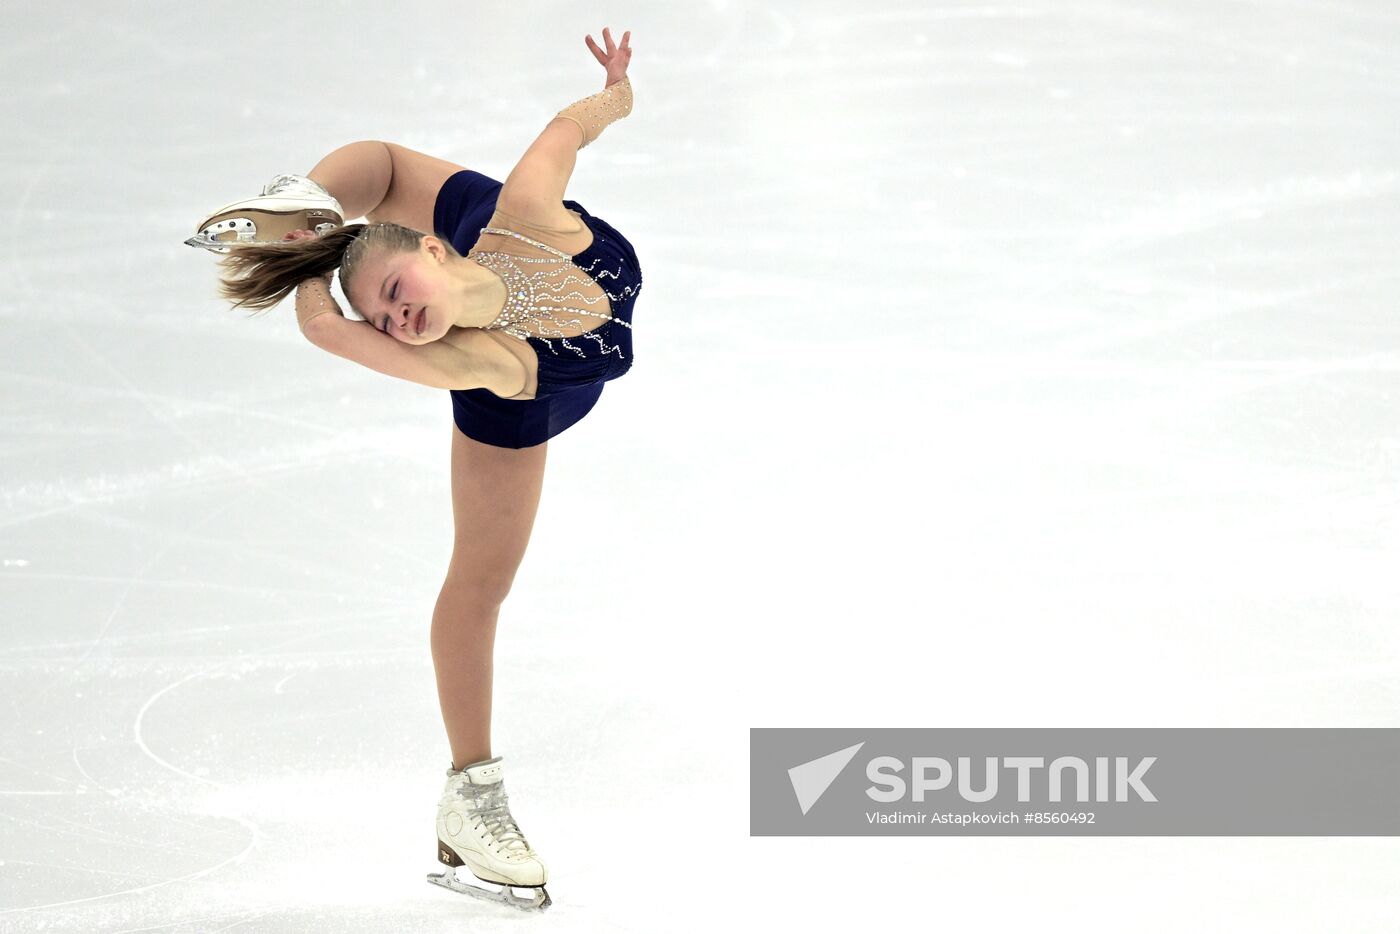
[(594, 114)]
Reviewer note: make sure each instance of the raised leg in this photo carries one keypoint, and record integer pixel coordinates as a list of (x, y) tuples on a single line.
[(384, 182), (495, 496), (357, 175)]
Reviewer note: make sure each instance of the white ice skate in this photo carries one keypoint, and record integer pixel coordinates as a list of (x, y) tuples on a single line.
[(287, 203), (475, 829)]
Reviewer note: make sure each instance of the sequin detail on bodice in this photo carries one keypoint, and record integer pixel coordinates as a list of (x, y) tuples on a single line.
[(543, 302)]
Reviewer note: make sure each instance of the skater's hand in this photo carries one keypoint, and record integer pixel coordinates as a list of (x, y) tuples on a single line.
[(326, 277), (615, 59)]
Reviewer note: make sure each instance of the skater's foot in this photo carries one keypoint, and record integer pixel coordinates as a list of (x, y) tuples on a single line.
[(288, 203)]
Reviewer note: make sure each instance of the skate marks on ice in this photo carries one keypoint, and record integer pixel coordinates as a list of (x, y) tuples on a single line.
[(169, 834)]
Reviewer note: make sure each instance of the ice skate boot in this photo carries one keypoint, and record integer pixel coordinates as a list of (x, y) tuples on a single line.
[(287, 203), (475, 829)]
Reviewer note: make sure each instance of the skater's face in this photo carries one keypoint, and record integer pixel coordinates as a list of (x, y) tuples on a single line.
[(399, 293)]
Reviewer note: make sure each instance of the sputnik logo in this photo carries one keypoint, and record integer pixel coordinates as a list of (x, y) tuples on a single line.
[(810, 780)]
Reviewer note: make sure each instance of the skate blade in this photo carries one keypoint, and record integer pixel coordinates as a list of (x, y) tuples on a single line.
[(259, 228), (538, 901), (205, 242)]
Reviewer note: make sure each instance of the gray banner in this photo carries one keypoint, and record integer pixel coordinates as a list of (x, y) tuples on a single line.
[(1091, 782)]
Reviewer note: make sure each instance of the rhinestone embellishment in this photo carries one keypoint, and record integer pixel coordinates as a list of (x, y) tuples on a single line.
[(543, 302)]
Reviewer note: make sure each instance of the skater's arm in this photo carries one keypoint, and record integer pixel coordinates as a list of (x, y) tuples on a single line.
[(439, 364), (536, 186)]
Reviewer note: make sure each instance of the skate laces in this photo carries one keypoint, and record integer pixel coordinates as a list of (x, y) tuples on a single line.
[(492, 809)]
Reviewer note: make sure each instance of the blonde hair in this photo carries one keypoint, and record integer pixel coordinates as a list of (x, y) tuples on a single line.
[(264, 275)]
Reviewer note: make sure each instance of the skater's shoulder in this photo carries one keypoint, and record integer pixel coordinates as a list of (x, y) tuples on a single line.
[(559, 228)]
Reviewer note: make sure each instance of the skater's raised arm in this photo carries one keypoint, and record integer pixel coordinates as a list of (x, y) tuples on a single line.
[(536, 186)]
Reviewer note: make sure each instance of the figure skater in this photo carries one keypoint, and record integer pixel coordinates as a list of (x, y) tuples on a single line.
[(520, 303)]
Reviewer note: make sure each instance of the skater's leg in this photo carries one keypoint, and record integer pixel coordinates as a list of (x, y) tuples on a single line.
[(413, 190), (384, 182), (357, 175), (495, 495)]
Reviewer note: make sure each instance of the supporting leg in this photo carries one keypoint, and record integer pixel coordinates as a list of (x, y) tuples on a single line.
[(357, 175), (495, 496), (463, 640)]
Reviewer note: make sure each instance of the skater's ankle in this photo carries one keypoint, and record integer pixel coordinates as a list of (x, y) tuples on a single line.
[(460, 764)]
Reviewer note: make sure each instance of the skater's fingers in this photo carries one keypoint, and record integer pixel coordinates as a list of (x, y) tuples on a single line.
[(597, 52), (607, 37)]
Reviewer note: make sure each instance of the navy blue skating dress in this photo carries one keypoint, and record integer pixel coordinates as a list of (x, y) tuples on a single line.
[(572, 371)]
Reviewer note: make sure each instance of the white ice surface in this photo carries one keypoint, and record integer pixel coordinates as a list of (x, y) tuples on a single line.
[(999, 364)]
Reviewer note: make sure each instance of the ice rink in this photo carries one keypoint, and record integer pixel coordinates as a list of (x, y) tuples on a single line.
[(1027, 364)]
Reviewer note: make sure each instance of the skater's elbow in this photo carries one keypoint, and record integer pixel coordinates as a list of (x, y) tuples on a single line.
[(320, 328)]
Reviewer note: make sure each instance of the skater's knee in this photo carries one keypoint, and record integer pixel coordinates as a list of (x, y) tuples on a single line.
[(474, 593)]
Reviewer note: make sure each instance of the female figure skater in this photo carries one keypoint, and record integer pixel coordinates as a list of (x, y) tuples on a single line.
[(520, 303)]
